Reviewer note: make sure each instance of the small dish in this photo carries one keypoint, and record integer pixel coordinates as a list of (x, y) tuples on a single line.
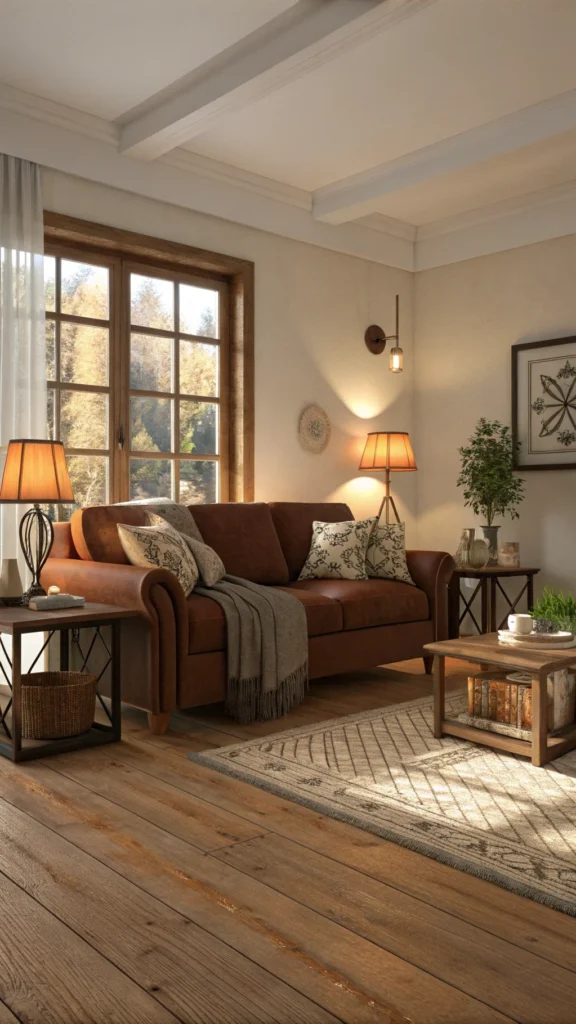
[(562, 637)]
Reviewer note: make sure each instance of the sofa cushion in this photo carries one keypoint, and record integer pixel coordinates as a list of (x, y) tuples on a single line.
[(95, 534), (371, 602), (207, 624), (293, 521), (245, 538), (322, 613)]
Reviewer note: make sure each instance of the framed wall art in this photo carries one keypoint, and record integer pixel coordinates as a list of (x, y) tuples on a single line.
[(544, 403)]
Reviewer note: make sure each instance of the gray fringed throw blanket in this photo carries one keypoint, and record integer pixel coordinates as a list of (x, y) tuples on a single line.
[(267, 648)]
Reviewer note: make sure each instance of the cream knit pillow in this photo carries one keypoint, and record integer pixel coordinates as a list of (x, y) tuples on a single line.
[(160, 546), (338, 551), (210, 566), (386, 555)]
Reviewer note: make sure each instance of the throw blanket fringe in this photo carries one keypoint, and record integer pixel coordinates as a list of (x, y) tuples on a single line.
[(267, 647), (246, 701)]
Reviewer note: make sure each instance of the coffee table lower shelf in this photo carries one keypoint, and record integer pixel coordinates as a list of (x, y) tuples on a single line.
[(486, 652), (555, 746)]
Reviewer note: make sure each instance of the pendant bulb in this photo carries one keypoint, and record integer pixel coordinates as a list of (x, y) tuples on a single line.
[(396, 359)]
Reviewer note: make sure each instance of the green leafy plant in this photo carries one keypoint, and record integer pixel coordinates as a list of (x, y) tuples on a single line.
[(557, 606), (487, 472)]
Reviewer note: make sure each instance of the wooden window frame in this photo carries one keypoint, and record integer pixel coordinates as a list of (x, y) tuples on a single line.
[(85, 238)]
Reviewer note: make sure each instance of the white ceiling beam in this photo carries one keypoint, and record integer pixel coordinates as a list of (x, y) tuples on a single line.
[(357, 195), (307, 35)]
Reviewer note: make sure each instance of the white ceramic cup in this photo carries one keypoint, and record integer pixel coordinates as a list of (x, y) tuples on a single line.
[(520, 623)]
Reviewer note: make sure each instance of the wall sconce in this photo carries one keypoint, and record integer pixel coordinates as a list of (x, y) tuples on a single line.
[(376, 339)]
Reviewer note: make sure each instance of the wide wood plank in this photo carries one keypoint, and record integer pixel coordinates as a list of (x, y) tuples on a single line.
[(508, 978), (524, 922), (6, 1015), (48, 975), (193, 975), (345, 973), (190, 817)]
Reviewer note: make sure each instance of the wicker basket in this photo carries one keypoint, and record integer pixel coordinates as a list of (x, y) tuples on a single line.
[(56, 705)]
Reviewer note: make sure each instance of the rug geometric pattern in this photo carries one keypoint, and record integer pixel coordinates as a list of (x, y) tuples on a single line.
[(486, 812)]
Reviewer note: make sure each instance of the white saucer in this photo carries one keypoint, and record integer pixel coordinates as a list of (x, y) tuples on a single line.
[(519, 645), (562, 637)]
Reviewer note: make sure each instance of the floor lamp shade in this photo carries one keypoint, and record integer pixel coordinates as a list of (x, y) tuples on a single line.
[(35, 473), (388, 452)]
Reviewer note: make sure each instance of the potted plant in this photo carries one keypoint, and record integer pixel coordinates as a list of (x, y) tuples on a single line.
[(487, 475), (554, 610)]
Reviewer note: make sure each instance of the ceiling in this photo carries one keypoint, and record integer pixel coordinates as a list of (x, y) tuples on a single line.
[(386, 108), (107, 57)]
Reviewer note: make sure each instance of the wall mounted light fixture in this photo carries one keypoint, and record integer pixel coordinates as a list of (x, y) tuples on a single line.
[(376, 339)]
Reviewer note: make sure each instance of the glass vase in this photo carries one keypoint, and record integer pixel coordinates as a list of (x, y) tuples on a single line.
[(479, 553), (463, 556)]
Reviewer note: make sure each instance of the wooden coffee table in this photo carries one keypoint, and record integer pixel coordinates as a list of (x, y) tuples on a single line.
[(486, 651)]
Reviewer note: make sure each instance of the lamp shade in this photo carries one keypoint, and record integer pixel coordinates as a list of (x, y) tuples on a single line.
[(35, 472), (388, 450)]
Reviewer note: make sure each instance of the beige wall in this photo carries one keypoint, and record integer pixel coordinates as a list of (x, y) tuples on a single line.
[(468, 316), (312, 308)]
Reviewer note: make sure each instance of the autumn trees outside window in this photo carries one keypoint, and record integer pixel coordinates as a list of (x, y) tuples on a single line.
[(138, 370)]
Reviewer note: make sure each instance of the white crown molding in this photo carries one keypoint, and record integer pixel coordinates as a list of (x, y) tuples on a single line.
[(76, 143), (79, 144), (389, 226), (524, 220), (524, 203), (194, 163), (58, 115)]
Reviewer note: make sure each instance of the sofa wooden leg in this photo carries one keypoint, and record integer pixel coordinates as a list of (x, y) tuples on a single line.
[(158, 723), (428, 660)]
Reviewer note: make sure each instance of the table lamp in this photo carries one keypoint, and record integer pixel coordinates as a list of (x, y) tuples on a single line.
[(388, 452), (35, 472)]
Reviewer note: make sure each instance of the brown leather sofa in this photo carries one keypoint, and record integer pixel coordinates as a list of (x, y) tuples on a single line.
[(174, 653)]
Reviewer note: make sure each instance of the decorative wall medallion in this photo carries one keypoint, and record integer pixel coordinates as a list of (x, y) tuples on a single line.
[(314, 429)]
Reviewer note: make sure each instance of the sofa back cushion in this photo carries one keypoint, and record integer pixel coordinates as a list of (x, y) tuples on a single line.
[(293, 521), (244, 537), (94, 531)]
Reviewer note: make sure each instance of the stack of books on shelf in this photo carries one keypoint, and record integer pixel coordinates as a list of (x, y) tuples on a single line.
[(502, 702), (496, 704)]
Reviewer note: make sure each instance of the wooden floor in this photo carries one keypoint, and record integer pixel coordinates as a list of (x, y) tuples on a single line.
[(137, 887)]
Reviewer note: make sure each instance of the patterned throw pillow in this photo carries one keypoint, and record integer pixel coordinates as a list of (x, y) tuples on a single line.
[(178, 516), (386, 555), (210, 565), (338, 551), (160, 546)]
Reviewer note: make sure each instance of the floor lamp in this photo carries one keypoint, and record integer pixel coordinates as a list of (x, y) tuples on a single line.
[(387, 452)]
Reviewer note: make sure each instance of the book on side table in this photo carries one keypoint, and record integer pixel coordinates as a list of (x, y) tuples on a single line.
[(55, 602)]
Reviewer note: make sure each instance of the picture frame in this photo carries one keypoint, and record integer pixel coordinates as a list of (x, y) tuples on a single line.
[(544, 404)]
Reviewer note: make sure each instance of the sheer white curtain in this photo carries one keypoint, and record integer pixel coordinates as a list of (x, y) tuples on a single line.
[(22, 338)]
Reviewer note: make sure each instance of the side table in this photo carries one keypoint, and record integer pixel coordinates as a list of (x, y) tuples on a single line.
[(15, 622), (488, 587)]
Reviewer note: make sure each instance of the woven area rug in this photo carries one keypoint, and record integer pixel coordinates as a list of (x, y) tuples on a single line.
[(485, 812)]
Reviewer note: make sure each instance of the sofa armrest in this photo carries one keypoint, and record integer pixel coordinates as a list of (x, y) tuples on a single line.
[(154, 645), (432, 572)]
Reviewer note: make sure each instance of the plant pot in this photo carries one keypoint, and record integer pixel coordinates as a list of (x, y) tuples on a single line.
[(491, 535)]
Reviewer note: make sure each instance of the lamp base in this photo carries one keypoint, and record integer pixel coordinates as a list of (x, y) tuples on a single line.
[(36, 538), (34, 591)]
